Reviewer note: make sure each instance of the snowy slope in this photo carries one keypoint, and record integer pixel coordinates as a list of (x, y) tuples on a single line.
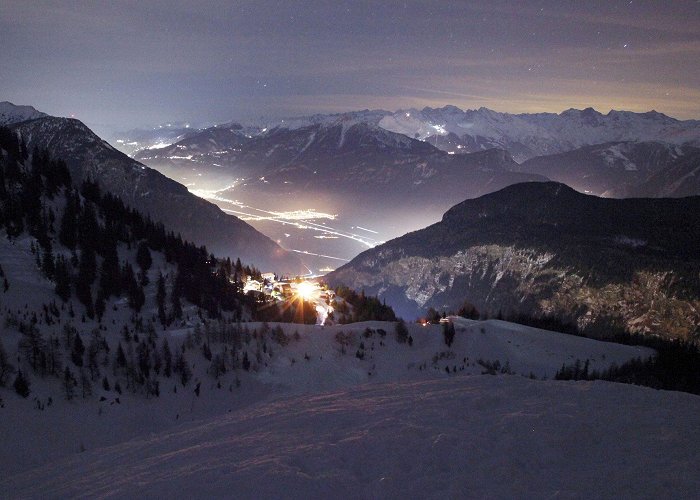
[(10, 113), (313, 364), (496, 437), (526, 350)]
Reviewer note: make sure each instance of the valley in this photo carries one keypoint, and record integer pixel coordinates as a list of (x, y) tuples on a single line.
[(394, 173)]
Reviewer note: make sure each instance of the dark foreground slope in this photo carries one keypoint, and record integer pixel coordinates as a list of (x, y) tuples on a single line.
[(543, 248)]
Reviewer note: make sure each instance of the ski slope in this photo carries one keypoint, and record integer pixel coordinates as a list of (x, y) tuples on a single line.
[(459, 437)]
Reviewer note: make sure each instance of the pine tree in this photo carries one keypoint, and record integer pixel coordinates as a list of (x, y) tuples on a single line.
[(110, 274), (182, 368), (86, 276), (160, 300), (206, 351), (62, 278), (120, 357), (6, 368), (134, 291), (100, 305), (448, 333), (85, 384), (69, 384), (32, 345), (175, 300), (143, 257), (54, 356), (48, 266), (167, 359), (468, 310), (21, 385), (401, 332), (78, 350), (67, 233)]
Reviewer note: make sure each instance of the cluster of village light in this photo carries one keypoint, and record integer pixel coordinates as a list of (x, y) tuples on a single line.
[(299, 290)]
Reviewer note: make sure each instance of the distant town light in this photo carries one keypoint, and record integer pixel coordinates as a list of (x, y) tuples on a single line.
[(306, 290)]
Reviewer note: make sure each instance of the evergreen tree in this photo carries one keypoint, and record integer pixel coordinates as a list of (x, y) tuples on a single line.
[(401, 332), (54, 356), (134, 291), (67, 234), (206, 351), (120, 357), (69, 384), (86, 276), (88, 229), (6, 368), (76, 354), (143, 257), (182, 368), (110, 274), (468, 310), (100, 305), (62, 278), (176, 304), (160, 300), (448, 333), (33, 348), (85, 384), (48, 266), (167, 359), (21, 385)]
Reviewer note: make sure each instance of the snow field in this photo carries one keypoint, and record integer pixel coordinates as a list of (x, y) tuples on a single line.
[(495, 437)]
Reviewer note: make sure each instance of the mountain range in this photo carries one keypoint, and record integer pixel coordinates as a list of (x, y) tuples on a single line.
[(395, 172), (537, 134), (353, 169), (619, 154), (345, 156), (545, 249), (524, 135), (624, 169)]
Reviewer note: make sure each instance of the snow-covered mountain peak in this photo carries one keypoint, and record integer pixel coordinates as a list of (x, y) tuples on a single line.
[(11, 113), (527, 135), (363, 116)]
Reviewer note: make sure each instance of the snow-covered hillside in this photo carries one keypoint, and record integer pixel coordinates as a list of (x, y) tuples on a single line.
[(460, 437), (321, 408)]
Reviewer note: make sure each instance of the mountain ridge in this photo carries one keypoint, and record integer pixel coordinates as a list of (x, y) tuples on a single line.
[(536, 134), (90, 157), (624, 169), (545, 249)]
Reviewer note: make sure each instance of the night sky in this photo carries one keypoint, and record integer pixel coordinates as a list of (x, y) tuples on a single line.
[(118, 65)]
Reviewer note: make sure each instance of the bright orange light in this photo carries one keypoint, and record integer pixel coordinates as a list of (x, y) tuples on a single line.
[(305, 290)]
